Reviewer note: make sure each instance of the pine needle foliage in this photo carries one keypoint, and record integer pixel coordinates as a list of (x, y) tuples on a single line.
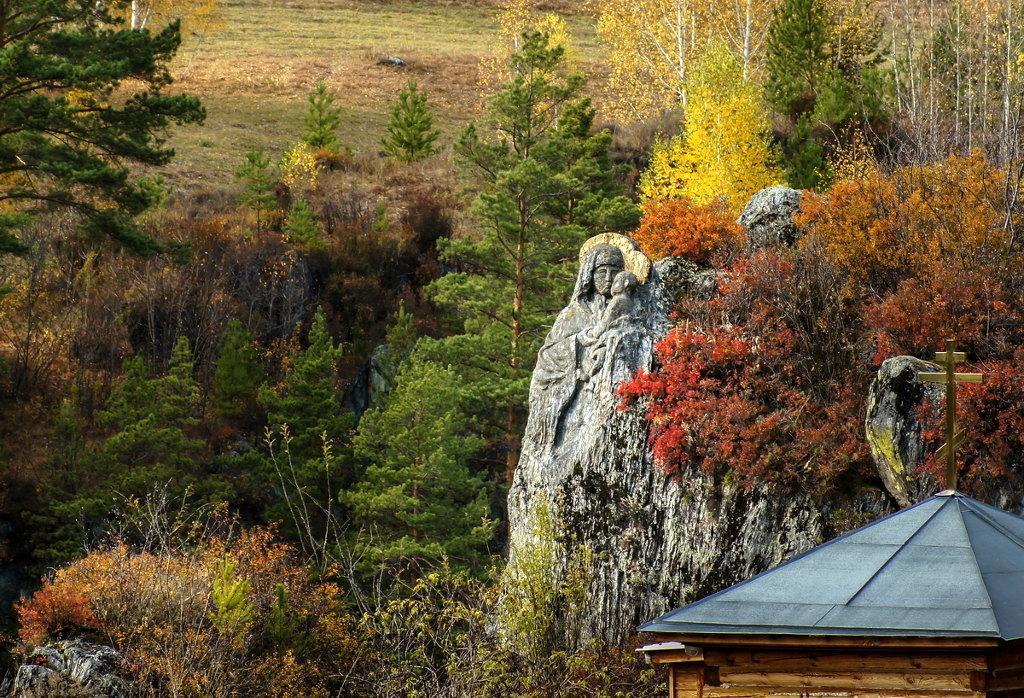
[(797, 55), (411, 132), (417, 496), (546, 184), (65, 143), (303, 228), (322, 119), (237, 374), (258, 186)]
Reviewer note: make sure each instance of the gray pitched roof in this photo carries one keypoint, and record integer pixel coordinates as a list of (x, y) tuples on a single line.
[(949, 566)]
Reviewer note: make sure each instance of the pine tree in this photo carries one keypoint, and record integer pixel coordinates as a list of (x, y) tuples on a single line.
[(546, 185), (805, 158), (322, 119), (309, 401), (822, 74), (237, 375), (258, 185), (308, 404), (797, 54), (150, 420), (411, 132), (302, 227), (417, 498), (65, 143)]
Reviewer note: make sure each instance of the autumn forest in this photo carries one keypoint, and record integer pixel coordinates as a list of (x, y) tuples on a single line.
[(274, 276)]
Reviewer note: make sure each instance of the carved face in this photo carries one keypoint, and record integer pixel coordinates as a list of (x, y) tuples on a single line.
[(604, 275)]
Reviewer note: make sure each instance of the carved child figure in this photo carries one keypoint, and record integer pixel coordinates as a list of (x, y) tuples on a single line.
[(620, 306), (622, 303)]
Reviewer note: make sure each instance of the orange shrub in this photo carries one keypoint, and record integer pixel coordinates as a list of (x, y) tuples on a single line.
[(53, 612), (881, 229), (679, 227), (160, 611)]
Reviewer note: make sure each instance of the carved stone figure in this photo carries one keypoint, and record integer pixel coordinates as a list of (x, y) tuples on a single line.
[(590, 344)]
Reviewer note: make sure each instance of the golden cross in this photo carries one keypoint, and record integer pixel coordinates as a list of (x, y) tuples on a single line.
[(949, 359)]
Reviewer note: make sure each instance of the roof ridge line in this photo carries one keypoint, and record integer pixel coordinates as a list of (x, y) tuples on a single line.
[(977, 565), (793, 559), (968, 502), (900, 549)]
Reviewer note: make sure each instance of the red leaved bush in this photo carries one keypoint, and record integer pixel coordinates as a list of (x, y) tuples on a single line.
[(729, 405), (992, 415), (767, 382), (972, 304), (681, 228)]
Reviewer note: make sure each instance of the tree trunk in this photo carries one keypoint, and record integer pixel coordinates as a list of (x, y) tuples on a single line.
[(511, 418)]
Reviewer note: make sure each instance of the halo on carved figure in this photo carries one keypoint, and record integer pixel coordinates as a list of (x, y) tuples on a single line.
[(636, 261)]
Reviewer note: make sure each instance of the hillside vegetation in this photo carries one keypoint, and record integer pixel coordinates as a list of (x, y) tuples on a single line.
[(263, 391), (254, 71)]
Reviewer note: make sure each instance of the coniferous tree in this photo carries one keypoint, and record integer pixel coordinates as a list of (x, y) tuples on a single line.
[(65, 143), (817, 75), (322, 119), (150, 445), (308, 403), (411, 132), (797, 55), (237, 375), (302, 227), (546, 184), (399, 344), (152, 418), (417, 498), (806, 164), (258, 185)]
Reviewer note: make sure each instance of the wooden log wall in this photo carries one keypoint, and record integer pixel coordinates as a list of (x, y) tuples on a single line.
[(748, 673)]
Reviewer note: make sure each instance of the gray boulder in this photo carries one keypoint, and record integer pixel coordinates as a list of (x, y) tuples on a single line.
[(893, 426), (70, 669), (681, 278), (768, 217)]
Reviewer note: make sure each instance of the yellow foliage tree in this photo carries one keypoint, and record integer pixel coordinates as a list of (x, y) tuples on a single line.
[(724, 152), (654, 46), (651, 44), (516, 18), (198, 16), (300, 169)]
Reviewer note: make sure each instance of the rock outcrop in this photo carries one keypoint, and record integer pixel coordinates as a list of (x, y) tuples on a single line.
[(768, 217), (893, 426), (70, 669), (655, 541)]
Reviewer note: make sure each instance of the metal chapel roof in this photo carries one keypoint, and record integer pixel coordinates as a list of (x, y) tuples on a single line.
[(948, 566)]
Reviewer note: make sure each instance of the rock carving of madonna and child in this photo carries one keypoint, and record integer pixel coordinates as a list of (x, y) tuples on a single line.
[(596, 342)]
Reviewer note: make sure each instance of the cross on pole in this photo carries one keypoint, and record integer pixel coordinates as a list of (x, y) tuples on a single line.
[(949, 377)]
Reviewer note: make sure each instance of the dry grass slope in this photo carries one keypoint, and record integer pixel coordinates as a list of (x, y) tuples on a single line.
[(253, 74)]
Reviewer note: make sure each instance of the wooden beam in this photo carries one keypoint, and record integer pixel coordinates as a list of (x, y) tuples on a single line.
[(758, 691), (797, 660), (675, 656), (862, 680), (829, 641), (687, 681)]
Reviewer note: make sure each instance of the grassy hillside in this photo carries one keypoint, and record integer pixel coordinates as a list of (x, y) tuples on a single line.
[(253, 74)]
